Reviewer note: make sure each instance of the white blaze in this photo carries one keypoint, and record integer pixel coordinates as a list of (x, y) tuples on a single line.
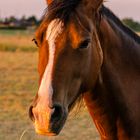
[(54, 29)]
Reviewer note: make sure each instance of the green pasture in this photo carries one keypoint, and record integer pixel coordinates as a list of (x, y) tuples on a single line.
[(17, 40), (8, 32)]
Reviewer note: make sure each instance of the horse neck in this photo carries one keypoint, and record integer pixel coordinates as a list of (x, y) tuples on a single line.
[(117, 43), (120, 73), (120, 50)]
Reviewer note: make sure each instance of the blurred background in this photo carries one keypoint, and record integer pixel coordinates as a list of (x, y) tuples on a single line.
[(18, 69)]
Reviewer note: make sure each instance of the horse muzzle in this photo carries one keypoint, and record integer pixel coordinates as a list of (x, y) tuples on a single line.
[(48, 121)]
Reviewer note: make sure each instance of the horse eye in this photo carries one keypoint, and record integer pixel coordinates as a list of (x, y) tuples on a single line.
[(84, 44), (34, 40)]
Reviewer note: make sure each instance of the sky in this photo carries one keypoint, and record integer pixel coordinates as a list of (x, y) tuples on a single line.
[(18, 8)]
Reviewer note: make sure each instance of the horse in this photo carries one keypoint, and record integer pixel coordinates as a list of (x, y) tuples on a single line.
[(86, 52), (63, 44)]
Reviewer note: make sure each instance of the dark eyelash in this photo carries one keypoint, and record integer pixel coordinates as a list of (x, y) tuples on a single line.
[(42, 36), (34, 40), (84, 44)]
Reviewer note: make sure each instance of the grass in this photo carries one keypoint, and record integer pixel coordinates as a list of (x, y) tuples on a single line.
[(18, 86), (16, 40), (7, 32)]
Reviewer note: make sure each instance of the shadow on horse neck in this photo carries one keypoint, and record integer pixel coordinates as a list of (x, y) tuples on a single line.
[(119, 79)]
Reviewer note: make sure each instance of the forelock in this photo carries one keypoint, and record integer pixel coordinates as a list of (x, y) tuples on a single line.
[(61, 9)]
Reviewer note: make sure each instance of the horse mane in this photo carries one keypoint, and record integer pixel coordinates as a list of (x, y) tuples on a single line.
[(109, 14), (61, 9)]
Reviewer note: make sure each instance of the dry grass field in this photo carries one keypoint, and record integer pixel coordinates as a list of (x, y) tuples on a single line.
[(18, 85), (16, 41)]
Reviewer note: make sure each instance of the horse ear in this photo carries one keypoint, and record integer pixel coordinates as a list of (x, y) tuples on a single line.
[(48, 1)]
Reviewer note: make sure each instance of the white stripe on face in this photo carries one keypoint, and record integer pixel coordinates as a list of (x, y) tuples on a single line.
[(54, 29)]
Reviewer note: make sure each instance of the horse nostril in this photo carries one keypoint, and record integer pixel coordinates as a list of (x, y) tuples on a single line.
[(58, 113), (31, 113)]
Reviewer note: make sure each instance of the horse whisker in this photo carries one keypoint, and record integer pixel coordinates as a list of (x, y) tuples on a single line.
[(24, 132)]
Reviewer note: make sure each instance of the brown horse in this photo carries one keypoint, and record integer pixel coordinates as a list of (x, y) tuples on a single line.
[(72, 63), (70, 58)]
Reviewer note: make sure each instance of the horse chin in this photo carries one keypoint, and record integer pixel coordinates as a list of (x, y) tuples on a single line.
[(52, 128), (45, 133)]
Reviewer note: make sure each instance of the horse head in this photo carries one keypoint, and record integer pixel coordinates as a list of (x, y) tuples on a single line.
[(70, 58)]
